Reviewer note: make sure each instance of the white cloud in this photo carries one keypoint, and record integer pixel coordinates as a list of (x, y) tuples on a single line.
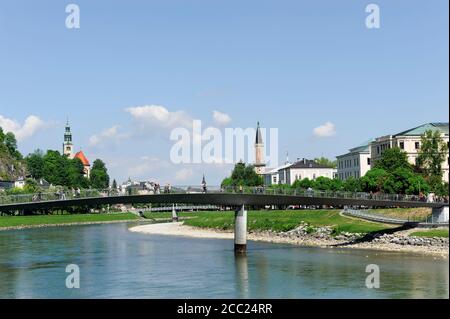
[(184, 174), (221, 118), (156, 116), (326, 130), (31, 125), (109, 134)]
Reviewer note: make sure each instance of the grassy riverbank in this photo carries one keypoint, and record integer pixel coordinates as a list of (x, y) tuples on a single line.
[(412, 214), (281, 221), (431, 233), (277, 221), (37, 220)]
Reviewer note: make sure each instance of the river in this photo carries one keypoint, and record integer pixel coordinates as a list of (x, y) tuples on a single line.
[(116, 263)]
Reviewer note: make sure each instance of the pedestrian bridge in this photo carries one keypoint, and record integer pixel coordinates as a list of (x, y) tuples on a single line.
[(238, 198), (255, 196)]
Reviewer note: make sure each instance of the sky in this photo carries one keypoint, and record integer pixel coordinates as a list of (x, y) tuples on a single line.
[(136, 70)]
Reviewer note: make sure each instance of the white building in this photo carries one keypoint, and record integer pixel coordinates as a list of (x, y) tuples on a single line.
[(304, 169), (20, 183), (409, 141), (355, 163), (272, 177)]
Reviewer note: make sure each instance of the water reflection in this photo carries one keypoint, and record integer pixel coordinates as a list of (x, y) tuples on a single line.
[(116, 263), (241, 262)]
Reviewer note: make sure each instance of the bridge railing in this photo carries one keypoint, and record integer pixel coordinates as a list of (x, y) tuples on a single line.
[(92, 193), (331, 194)]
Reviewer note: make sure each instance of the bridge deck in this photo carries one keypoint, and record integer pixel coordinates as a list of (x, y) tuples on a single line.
[(226, 199)]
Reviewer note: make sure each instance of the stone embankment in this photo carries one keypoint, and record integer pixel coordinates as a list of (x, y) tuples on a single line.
[(411, 240)]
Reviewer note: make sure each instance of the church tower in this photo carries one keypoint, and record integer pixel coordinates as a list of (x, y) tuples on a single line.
[(68, 146), (260, 165)]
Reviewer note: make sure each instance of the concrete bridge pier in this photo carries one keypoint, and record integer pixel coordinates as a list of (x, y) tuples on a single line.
[(240, 231), (440, 214), (174, 214)]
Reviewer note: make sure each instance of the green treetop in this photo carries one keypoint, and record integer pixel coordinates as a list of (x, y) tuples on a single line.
[(99, 175), (433, 152), (243, 175)]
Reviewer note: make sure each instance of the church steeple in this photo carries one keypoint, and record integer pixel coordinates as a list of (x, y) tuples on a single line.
[(259, 152), (259, 139), (67, 145)]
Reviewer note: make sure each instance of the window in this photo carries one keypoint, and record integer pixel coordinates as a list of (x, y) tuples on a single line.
[(368, 161), (417, 145), (314, 176), (402, 145), (378, 150)]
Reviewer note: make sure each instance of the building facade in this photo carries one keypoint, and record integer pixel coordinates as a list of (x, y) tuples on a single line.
[(272, 177), (304, 169), (410, 142), (355, 163)]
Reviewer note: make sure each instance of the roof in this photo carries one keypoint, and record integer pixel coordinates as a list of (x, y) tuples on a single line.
[(277, 169), (420, 130), (363, 147), (259, 139), (305, 163), (80, 155)]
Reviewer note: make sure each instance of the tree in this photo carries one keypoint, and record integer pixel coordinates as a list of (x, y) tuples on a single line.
[(326, 162), (433, 152), (99, 175), (303, 183), (323, 183), (417, 185), (393, 159), (35, 164), (399, 181), (2, 135), (243, 175), (374, 180), (55, 168), (76, 174), (10, 142), (352, 184)]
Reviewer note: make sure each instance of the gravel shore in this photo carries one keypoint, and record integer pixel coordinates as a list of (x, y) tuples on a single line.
[(436, 247)]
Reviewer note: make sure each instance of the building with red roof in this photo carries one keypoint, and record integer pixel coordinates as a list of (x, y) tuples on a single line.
[(87, 166)]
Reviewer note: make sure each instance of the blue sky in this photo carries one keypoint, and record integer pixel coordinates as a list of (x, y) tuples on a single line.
[(292, 65)]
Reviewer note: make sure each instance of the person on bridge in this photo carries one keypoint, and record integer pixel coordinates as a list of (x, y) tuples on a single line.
[(204, 186)]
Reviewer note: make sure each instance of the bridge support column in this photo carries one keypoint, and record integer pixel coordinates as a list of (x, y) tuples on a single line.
[(240, 231), (440, 214), (174, 214)]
